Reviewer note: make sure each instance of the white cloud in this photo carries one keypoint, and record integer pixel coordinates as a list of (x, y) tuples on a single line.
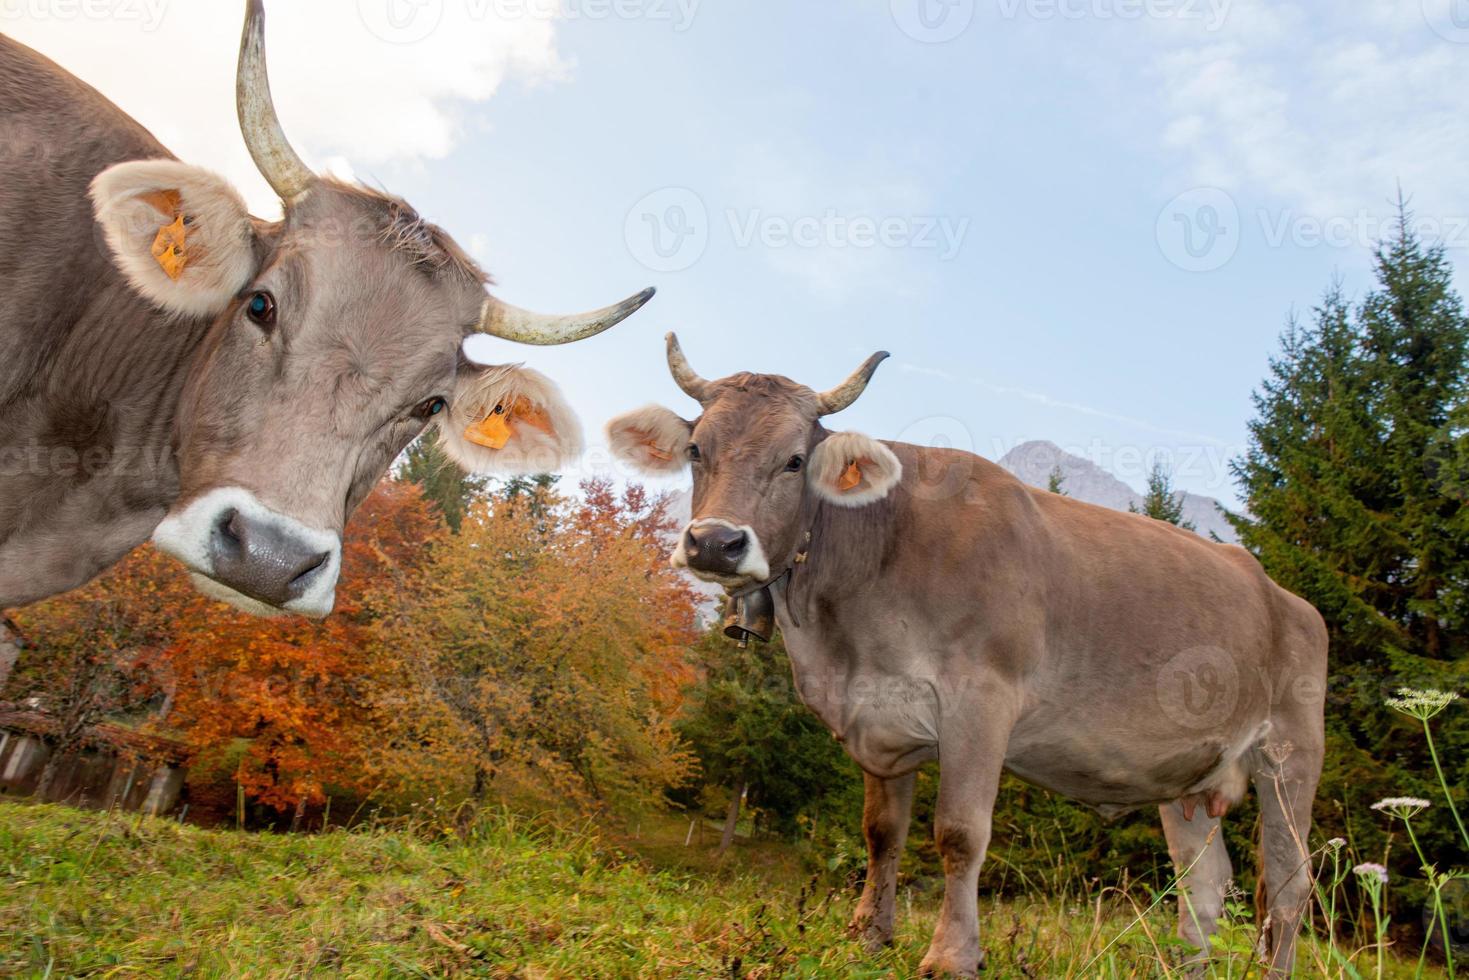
[(1287, 108), (358, 83)]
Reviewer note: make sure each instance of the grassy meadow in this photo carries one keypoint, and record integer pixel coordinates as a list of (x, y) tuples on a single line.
[(97, 894)]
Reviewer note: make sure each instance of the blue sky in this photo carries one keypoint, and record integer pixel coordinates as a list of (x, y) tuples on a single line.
[(1075, 220)]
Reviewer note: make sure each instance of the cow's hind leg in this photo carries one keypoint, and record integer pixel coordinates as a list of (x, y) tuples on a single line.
[(1202, 863), (1285, 781), (886, 811)]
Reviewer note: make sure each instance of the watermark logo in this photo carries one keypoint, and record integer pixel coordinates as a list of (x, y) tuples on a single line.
[(668, 230), (401, 21), (933, 21), (1199, 230), (1449, 19), (1199, 688), (831, 229)]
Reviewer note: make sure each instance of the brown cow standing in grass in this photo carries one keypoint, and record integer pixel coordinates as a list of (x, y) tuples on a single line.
[(171, 365), (935, 607)]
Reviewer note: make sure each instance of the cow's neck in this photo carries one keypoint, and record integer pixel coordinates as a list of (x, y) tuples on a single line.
[(836, 612), (91, 440)]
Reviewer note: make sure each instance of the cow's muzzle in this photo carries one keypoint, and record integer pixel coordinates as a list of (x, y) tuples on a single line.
[(720, 551), (253, 557)]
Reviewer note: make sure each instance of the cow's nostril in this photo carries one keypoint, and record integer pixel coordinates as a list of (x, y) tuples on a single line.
[(229, 527), (311, 566), (735, 545)]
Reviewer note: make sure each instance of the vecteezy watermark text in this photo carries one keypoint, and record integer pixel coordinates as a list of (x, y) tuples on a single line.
[(669, 230), (1201, 229), (1210, 13), (147, 13)]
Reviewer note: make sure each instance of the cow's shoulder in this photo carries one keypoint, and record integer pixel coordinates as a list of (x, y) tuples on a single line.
[(64, 113)]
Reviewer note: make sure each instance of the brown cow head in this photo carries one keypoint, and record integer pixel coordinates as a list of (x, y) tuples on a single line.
[(760, 457), (336, 339)]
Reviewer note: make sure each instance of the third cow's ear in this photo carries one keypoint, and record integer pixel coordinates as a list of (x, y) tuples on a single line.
[(652, 439), (850, 469), (180, 234), (507, 419)]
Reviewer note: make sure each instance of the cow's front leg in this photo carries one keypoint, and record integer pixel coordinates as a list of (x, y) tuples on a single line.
[(886, 809), (971, 757)]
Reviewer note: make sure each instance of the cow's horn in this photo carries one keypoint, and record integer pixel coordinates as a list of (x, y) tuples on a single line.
[(277, 162), (678, 365), (844, 394), (507, 322)]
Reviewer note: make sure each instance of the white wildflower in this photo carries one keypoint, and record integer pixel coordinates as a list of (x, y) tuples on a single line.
[(1402, 807), (1372, 872), (1422, 705)]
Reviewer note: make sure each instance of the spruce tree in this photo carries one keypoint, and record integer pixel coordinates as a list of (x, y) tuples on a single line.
[(1354, 474), (1355, 485), (1056, 481), (443, 482), (1162, 502)]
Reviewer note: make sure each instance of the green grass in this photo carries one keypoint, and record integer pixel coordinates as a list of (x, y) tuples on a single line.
[(85, 893)]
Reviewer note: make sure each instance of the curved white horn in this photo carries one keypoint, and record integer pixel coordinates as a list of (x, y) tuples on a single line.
[(498, 318), (844, 394), (272, 153), (684, 375)]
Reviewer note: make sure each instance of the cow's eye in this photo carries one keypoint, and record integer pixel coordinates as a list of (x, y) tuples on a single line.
[(432, 407), (260, 308), (794, 464), (693, 453)]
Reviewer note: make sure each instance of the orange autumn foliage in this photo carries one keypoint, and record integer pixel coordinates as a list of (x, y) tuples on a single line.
[(295, 691), (543, 654)]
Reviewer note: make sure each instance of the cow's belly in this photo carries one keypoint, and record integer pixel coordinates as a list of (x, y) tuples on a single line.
[(1115, 766)]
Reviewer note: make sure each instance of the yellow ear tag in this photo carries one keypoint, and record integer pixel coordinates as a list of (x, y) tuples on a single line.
[(850, 478), (168, 248), (492, 431)]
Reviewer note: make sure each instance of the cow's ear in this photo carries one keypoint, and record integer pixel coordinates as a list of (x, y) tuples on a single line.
[(652, 439), (850, 469), (180, 234), (508, 419)]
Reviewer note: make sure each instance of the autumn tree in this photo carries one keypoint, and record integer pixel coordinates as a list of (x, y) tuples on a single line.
[(91, 654), (294, 693), (542, 653)]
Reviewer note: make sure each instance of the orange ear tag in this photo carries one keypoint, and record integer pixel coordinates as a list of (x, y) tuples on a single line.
[(492, 432), (168, 248), (524, 411), (850, 478)]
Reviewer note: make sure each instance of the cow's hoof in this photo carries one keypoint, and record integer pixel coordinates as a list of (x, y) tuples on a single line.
[(873, 937), (941, 964)]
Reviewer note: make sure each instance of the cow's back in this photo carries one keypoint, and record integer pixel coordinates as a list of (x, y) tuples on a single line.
[(56, 134)]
